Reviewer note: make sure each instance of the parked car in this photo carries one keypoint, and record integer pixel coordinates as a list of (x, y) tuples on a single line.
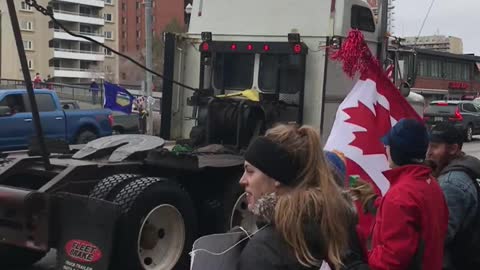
[(462, 113), (72, 126)]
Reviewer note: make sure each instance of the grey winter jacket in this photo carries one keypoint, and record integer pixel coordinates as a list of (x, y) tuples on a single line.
[(461, 196)]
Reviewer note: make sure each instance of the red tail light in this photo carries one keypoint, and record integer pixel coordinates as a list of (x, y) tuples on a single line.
[(205, 47), (110, 120), (443, 104), (297, 48), (458, 116)]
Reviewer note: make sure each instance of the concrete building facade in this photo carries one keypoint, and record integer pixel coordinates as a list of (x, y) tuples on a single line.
[(52, 51), (437, 43)]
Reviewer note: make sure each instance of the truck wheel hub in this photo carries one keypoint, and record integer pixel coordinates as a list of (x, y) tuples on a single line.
[(162, 238)]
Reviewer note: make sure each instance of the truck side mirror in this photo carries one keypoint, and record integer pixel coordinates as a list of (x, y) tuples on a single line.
[(405, 89), (5, 111)]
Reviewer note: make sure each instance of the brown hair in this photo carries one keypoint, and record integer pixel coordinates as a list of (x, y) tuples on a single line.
[(315, 199)]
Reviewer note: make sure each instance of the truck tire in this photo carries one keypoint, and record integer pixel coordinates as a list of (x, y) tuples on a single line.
[(157, 227), (108, 187), (12, 257), (85, 136)]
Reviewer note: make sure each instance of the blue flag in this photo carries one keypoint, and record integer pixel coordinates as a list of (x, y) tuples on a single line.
[(118, 98)]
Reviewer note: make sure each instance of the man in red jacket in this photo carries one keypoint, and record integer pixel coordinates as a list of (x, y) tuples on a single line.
[(411, 222)]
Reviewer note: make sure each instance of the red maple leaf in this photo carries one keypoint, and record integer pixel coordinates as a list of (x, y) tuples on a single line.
[(376, 125)]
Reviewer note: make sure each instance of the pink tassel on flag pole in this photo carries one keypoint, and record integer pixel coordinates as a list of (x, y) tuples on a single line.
[(355, 55)]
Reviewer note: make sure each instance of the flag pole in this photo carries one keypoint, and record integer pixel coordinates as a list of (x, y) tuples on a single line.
[(149, 63)]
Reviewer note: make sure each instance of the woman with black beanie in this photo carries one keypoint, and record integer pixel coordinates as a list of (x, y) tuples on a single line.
[(291, 187)]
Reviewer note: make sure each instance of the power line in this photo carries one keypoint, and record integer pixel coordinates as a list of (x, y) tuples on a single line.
[(424, 21), (49, 12)]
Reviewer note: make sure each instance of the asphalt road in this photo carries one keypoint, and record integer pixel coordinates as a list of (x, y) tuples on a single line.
[(48, 263), (473, 148)]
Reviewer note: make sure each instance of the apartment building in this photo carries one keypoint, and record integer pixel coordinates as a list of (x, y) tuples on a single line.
[(375, 4), (131, 29), (52, 51), (439, 43)]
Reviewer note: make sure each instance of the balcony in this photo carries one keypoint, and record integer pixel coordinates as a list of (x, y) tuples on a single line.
[(60, 34), (93, 3), (78, 54), (68, 16), (76, 73)]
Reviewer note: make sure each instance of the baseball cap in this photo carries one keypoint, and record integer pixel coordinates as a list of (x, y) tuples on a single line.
[(408, 141)]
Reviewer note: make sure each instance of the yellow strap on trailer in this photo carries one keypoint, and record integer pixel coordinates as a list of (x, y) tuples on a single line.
[(250, 94)]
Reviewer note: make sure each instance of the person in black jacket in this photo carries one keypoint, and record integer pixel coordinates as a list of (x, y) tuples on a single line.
[(291, 188)]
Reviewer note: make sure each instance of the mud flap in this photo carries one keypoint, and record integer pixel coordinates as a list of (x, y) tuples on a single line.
[(86, 235)]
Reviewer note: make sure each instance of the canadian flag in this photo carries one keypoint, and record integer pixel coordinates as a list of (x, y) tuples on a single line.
[(368, 112)]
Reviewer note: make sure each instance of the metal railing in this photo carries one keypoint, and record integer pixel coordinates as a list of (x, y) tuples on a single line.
[(76, 69), (80, 92), (81, 33), (64, 91), (78, 51), (77, 14)]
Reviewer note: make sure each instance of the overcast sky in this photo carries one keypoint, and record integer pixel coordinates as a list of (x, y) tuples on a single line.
[(460, 18)]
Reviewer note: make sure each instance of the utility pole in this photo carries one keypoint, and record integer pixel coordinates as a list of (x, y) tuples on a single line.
[(383, 39), (149, 63)]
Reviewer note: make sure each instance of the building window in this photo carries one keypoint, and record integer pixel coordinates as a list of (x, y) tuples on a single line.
[(25, 7), (30, 64), (431, 68), (124, 6), (123, 48), (26, 26), (137, 5), (124, 20), (138, 47), (124, 75), (28, 45), (362, 19), (107, 52), (138, 19), (139, 34), (124, 34), (457, 71), (108, 17), (108, 35), (109, 2)]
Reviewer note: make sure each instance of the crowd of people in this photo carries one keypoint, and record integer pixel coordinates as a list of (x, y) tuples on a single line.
[(316, 214)]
